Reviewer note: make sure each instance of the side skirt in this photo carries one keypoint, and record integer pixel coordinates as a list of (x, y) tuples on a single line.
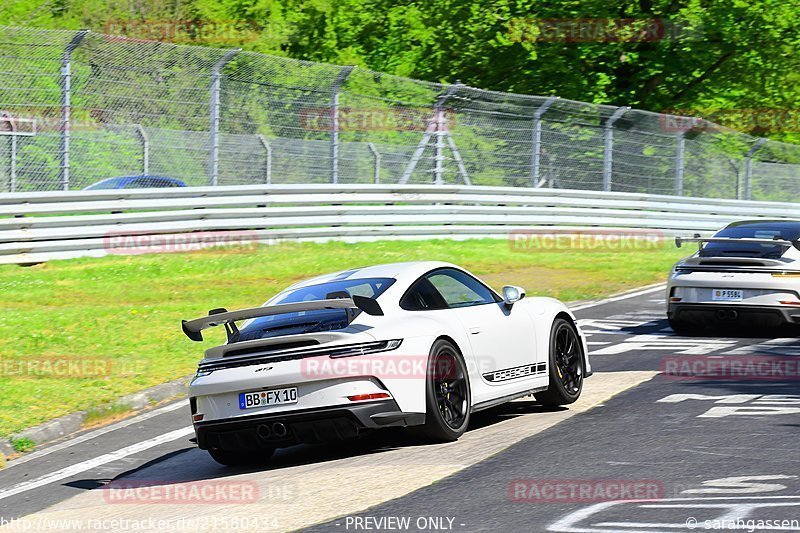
[(503, 399)]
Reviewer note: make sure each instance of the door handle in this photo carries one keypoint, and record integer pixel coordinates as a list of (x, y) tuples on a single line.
[(475, 330)]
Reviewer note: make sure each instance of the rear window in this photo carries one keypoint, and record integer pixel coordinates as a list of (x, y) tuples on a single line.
[(312, 321), (781, 231)]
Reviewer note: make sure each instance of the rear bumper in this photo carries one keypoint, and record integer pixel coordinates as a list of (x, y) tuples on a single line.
[(306, 426), (733, 314)]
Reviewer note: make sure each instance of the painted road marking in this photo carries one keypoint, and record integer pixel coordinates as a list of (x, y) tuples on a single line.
[(688, 513), (72, 470), (678, 345), (767, 405), (587, 305)]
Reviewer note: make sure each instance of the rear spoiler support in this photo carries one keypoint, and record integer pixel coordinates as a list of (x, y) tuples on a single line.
[(221, 316)]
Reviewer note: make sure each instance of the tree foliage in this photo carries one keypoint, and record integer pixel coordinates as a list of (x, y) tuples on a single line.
[(730, 54)]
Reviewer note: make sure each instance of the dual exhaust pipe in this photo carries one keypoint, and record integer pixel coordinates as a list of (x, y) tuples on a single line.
[(727, 314), (278, 430)]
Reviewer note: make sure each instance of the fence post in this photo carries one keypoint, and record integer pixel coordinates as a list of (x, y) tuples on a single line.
[(748, 165), (679, 151), (268, 162), (145, 149), (608, 149), (377, 158), (536, 154), (216, 75), (66, 104), (12, 124), (438, 158), (12, 178), (335, 88)]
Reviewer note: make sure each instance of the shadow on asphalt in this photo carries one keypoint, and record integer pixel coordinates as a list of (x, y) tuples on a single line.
[(738, 330), (192, 464)]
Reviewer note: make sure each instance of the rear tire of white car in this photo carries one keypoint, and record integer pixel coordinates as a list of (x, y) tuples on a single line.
[(241, 457), (566, 366), (447, 393)]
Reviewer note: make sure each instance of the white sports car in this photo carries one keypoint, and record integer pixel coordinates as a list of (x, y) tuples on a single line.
[(420, 344), (747, 274)]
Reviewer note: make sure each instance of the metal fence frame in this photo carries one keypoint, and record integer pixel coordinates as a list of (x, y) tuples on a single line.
[(492, 138)]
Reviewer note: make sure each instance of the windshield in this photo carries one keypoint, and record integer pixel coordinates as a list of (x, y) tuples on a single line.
[(109, 183), (789, 231), (311, 321)]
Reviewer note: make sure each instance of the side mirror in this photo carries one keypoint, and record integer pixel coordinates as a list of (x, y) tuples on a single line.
[(512, 294)]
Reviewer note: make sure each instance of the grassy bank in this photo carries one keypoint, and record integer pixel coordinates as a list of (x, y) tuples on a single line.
[(116, 320)]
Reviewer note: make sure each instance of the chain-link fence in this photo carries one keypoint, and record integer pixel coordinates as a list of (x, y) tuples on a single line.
[(80, 107)]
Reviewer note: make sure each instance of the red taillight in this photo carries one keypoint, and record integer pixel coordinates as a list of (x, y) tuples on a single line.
[(674, 299), (197, 418), (373, 396), (789, 302)]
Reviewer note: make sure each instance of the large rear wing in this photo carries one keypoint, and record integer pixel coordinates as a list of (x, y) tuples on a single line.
[(780, 242), (219, 317)]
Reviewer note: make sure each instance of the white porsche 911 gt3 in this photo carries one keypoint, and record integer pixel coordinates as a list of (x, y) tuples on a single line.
[(747, 274), (420, 344)]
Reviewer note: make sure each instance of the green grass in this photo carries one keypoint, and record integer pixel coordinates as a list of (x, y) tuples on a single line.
[(121, 315), (23, 444)]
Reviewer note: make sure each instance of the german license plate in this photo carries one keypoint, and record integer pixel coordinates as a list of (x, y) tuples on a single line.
[(249, 400), (726, 295)]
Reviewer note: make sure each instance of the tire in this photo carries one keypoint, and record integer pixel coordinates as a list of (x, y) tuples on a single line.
[(448, 396), (241, 457), (566, 366), (684, 328)]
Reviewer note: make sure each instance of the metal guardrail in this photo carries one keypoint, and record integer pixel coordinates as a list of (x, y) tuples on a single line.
[(36, 227)]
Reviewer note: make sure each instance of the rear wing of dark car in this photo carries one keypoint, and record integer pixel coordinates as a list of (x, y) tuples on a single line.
[(780, 242), (219, 317)]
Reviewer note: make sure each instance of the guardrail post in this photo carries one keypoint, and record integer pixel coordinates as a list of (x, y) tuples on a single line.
[(145, 149), (268, 161), (748, 166), (608, 150), (216, 75), (377, 158), (335, 89), (66, 104), (679, 151), (536, 153)]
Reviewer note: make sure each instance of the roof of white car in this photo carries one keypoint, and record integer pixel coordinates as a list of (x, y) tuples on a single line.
[(407, 271)]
